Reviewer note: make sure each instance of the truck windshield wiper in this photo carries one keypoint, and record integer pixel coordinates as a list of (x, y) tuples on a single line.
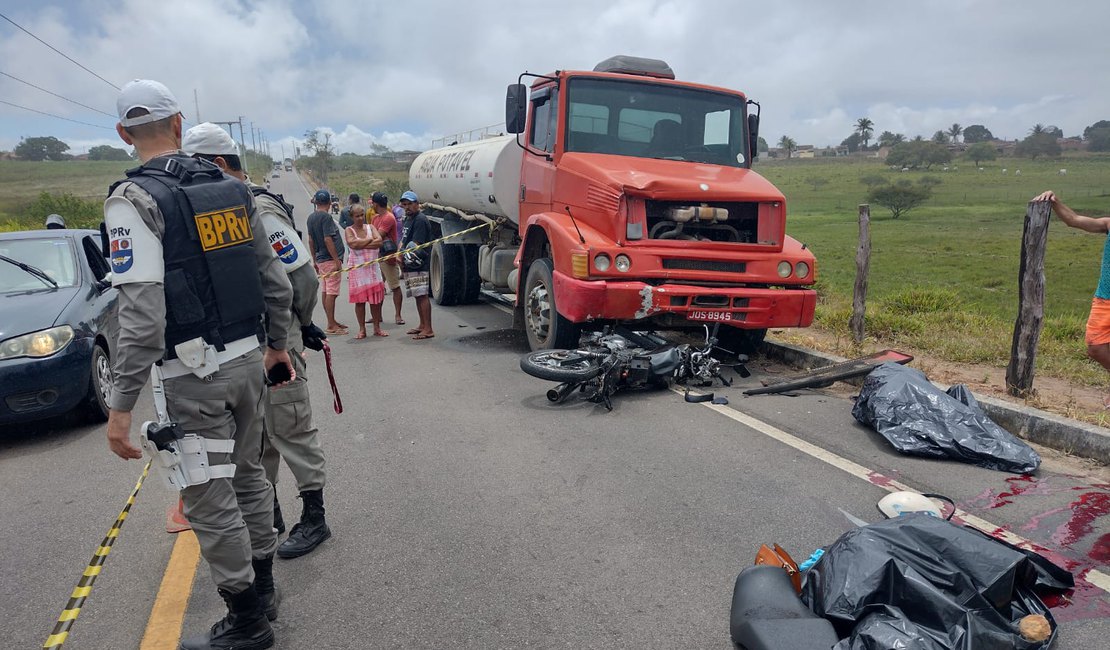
[(38, 273)]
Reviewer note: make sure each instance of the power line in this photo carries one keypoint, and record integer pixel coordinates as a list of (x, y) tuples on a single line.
[(59, 52), (99, 126), (55, 94)]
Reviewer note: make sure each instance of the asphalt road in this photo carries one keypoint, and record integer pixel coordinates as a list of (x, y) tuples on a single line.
[(469, 512)]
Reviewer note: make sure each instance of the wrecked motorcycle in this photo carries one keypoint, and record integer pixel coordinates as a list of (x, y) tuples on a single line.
[(609, 361)]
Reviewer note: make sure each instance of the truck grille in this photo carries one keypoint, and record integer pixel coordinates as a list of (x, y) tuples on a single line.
[(705, 265), (741, 227)]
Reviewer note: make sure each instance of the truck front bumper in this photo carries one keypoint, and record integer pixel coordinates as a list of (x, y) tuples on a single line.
[(752, 308)]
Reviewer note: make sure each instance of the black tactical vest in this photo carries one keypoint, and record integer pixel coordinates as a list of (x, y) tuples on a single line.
[(212, 284)]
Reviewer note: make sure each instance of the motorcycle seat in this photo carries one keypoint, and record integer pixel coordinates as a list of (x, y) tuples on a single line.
[(768, 615)]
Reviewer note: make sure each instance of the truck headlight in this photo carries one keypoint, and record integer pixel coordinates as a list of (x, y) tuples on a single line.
[(37, 344), (801, 269), (623, 263), (785, 269), (602, 262)]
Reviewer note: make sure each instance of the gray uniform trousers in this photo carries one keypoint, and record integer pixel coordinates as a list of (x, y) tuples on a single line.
[(233, 518), (291, 433)]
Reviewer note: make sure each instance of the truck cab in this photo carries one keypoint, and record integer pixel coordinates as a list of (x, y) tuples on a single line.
[(638, 199)]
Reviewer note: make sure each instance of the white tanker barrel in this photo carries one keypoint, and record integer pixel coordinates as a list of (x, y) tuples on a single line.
[(482, 176)]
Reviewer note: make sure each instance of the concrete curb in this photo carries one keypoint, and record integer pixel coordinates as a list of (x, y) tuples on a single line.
[(1035, 425)]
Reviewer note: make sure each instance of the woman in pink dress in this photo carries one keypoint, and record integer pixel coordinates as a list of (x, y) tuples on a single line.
[(364, 283)]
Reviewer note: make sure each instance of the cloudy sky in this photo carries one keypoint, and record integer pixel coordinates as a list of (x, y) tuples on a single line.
[(403, 73)]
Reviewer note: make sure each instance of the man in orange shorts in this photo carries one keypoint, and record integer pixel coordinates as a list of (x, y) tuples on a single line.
[(1098, 324)]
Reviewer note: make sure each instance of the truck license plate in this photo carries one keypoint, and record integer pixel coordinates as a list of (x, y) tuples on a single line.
[(712, 315)]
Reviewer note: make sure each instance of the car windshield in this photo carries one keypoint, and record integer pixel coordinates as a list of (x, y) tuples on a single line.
[(53, 256), (629, 118)]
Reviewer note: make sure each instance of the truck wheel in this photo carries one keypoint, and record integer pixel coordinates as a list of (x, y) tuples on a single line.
[(545, 326), (740, 341), (448, 274), (472, 286)]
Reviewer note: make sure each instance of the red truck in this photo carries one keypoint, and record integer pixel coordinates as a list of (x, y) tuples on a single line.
[(625, 196)]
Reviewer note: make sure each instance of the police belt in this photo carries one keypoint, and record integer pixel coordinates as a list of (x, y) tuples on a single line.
[(175, 368)]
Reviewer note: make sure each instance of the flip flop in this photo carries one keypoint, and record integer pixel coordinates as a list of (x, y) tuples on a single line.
[(415, 330), (381, 333), (337, 332), (400, 321), (361, 335), (421, 337)]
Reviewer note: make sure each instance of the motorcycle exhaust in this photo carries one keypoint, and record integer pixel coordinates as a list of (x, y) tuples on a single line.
[(560, 392)]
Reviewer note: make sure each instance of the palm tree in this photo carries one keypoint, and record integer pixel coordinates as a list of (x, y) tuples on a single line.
[(787, 143), (865, 127), (1037, 129), (888, 139), (954, 132)]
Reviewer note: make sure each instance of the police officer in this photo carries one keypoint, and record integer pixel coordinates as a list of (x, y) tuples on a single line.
[(289, 427), (194, 275)]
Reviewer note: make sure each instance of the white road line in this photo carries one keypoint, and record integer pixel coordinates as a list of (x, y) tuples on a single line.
[(1094, 576)]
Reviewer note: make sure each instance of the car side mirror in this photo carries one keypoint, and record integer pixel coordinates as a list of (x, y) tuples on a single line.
[(105, 283), (753, 136), (516, 108)]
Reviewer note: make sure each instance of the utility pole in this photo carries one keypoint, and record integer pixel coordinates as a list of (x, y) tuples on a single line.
[(242, 139), (196, 104), (253, 145)]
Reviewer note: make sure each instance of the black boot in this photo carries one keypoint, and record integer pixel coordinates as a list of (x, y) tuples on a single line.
[(310, 531), (244, 628), (279, 521), (265, 587)]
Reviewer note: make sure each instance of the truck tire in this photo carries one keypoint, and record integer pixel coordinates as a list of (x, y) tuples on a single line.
[(545, 326), (472, 286), (447, 271), (740, 341)]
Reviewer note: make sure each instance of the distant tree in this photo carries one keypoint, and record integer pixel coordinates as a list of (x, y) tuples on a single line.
[(940, 137), (761, 145), (41, 148), (379, 149), (864, 128), (1037, 129), (929, 181), (873, 180), (323, 152), (787, 143), (888, 139), (977, 133), (1101, 124), (900, 197), (954, 132), (1038, 144), (918, 153), (1098, 139), (980, 151), (935, 154), (1054, 131), (106, 152), (816, 182), (853, 142)]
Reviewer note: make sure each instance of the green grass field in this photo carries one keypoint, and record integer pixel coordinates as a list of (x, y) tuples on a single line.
[(944, 277), (21, 183)]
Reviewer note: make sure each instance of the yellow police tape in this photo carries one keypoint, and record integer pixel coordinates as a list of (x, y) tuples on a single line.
[(399, 253), (84, 585)]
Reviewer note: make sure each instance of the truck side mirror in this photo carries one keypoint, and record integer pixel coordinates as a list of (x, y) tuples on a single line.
[(753, 136), (516, 108)]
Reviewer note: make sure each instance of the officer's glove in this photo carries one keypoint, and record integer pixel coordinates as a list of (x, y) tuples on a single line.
[(313, 337)]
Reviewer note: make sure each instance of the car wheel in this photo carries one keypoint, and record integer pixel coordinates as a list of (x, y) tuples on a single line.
[(100, 385)]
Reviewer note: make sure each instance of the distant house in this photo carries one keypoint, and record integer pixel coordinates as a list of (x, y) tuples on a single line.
[(7, 155), (1070, 144), (882, 152), (804, 151)]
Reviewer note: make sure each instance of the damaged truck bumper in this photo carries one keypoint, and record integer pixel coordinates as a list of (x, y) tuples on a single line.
[(673, 304)]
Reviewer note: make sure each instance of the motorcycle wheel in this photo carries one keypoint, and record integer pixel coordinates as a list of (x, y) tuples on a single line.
[(561, 365)]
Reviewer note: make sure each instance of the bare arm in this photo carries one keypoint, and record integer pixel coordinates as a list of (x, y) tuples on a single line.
[(1097, 225)]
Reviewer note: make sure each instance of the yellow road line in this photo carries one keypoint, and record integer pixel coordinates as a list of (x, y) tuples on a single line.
[(163, 628)]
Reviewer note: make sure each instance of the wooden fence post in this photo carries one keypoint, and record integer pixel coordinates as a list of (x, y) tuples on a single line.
[(863, 264), (1030, 318)]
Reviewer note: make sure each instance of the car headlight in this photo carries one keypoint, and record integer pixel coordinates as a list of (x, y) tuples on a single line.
[(601, 262), (785, 269), (801, 269), (37, 344), (623, 263)]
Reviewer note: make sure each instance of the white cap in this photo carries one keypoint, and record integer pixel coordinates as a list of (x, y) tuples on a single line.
[(151, 95), (209, 139)]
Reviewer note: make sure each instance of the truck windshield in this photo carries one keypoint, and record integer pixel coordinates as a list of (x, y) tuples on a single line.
[(651, 120)]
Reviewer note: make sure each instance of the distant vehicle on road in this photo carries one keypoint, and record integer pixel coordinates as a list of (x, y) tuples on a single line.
[(288, 167), (275, 175), (58, 324)]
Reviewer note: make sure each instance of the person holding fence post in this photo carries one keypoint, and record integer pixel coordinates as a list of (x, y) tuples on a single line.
[(1098, 323)]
